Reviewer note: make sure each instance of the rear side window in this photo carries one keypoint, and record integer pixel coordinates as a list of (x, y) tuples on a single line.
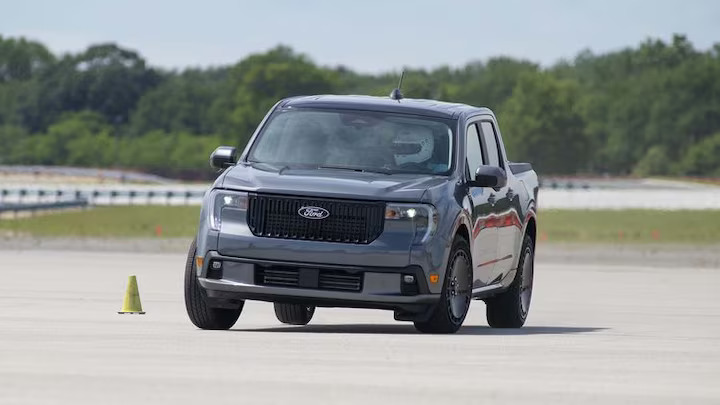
[(474, 151), (494, 157)]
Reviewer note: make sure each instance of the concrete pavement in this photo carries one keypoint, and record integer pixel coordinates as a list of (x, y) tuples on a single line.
[(596, 334)]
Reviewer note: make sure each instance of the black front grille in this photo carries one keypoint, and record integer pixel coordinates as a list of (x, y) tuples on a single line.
[(348, 222), (283, 276)]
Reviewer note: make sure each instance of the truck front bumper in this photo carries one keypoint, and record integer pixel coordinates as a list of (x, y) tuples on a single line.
[(234, 278)]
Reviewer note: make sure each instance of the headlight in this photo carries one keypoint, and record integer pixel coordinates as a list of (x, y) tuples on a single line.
[(424, 218), (221, 199)]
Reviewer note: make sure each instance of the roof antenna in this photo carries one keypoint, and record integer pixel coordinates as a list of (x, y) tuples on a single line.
[(396, 94)]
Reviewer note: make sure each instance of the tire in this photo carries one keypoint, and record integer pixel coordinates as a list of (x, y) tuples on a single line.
[(294, 314), (449, 313), (200, 312), (510, 309)]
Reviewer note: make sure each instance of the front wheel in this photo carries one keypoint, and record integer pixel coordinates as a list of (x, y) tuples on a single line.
[(510, 309), (294, 314), (449, 314), (200, 312)]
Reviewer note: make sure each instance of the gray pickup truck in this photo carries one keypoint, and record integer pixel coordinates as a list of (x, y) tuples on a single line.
[(367, 202)]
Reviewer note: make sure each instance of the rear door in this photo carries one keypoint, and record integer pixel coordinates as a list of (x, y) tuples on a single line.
[(483, 243), (504, 201)]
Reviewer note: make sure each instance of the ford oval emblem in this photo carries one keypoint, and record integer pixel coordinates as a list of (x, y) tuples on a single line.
[(313, 212)]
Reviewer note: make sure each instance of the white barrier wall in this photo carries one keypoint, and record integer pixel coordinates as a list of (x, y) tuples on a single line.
[(701, 198), (111, 194), (705, 199)]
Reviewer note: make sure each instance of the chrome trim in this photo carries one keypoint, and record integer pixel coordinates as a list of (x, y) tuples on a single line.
[(487, 288)]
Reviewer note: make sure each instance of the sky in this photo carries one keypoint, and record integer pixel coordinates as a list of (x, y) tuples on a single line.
[(369, 36)]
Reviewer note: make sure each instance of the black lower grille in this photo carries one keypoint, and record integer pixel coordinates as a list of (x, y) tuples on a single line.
[(347, 221), (277, 277), (333, 280), (340, 282)]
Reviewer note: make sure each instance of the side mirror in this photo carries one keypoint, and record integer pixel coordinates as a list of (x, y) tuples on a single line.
[(489, 176), (223, 156)]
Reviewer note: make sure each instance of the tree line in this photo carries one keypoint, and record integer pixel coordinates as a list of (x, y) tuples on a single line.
[(653, 109)]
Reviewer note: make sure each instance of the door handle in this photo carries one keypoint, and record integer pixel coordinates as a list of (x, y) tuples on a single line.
[(491, 199)]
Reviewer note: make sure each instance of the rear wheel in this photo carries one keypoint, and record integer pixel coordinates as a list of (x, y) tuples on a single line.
[(449, 314), (510, 309), (294, 314), (197, 304)]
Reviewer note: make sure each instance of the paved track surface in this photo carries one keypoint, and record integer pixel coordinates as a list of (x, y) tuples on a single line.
[(596, 334)]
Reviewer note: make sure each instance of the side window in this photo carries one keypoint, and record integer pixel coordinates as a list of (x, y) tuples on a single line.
[(491, 144), (474, 152)]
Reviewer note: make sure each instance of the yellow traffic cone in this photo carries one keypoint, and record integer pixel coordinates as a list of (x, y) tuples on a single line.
[(131, 303)]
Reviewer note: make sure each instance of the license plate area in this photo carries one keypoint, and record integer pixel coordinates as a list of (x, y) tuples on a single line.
[(308, 278)]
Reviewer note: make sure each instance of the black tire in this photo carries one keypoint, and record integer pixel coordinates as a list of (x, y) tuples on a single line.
[(510, 309), (294, 314), (449, 313), (200, 312)]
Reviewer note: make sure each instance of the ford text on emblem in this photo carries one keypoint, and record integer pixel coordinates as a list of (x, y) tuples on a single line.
[(313, 212)]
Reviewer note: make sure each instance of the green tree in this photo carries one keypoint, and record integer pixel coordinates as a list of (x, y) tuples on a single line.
[(20, 62), (703, 158), (489, 84), (105, 78), (540, 124), (649, 109), (259, 81), (168, 153), (655, 163), (80, 138), (21, 59), (11, 137), (180, 104)]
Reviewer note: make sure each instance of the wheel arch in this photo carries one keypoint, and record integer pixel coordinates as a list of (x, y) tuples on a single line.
[(531, 230), (463, 231), (461, 227), (530, 223)]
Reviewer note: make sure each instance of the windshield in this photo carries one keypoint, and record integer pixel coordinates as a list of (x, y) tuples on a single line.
[(355, 140)]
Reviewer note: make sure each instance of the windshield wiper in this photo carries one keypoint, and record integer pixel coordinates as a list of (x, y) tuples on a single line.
[(279, 167), (357, 169)]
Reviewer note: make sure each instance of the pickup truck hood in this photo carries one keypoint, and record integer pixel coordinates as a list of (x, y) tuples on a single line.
[(331, 183)]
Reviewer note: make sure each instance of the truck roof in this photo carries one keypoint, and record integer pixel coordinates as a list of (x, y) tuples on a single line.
[(430, 108)]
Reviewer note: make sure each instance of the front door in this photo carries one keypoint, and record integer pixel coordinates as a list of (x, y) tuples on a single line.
[(506, 218), (483, 236)]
